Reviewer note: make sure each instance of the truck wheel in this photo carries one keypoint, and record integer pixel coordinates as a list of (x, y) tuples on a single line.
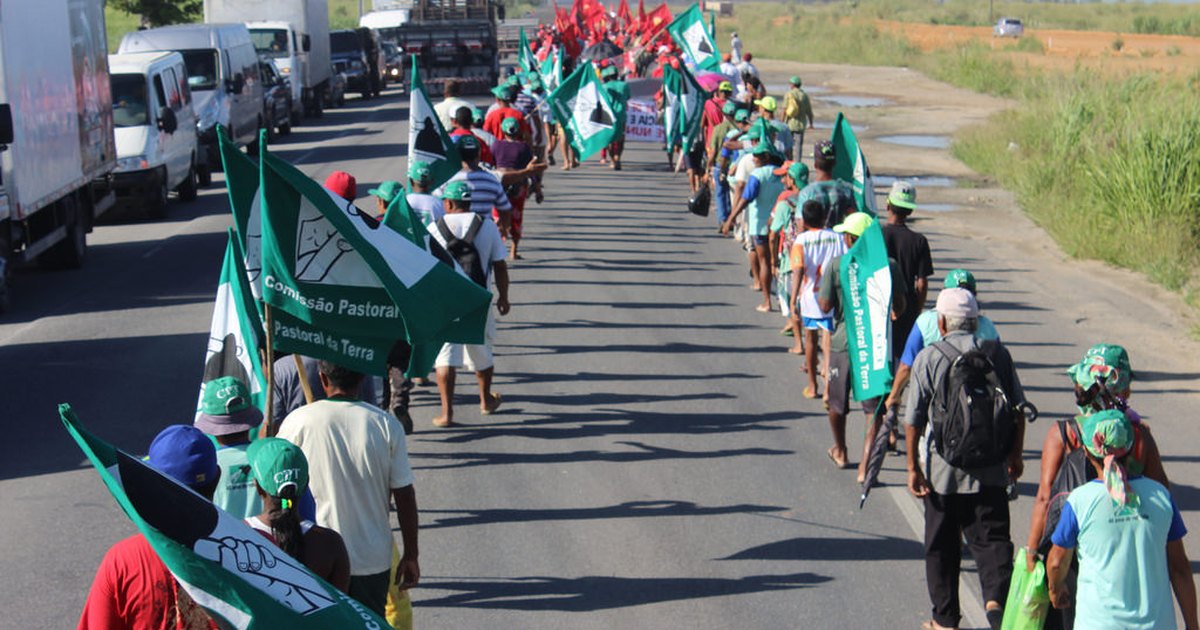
[(187, 188), (70, 252), (157, 208), (285, 127)]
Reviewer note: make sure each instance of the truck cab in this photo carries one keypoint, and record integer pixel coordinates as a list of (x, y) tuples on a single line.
[(155, 130), (288, 51)]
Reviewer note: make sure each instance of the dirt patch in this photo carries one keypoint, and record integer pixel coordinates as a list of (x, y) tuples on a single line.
[(1064, 49), (782, 20)]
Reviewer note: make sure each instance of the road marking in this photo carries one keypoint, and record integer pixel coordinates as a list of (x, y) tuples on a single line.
[(968, 596)]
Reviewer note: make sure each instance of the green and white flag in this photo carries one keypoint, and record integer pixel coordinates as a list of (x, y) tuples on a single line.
[(685, 105), (328, 263), (867, 305), (692, 36), (427, 139), (551, 71), (525, 57), (236, 334), (401, 218), (240, 578), (851, 165), (241, 183), (582, 106)]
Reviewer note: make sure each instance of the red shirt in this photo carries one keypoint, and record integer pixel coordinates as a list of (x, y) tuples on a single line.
[(712, 116), (491, 124), (485, 154), (133, 590)]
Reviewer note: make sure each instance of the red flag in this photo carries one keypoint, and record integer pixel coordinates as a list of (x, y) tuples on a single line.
[(658, 19), (562, 18), (641, 20), (570, 41), (624, 14)]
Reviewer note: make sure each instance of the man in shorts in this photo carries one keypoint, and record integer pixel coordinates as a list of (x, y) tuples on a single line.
[(785, 221), (758, 197), (812, 253), (459, 220), (837, 391)]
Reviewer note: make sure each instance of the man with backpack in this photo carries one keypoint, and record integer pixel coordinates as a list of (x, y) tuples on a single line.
[(475, 243), (797, 108), (965, 434)]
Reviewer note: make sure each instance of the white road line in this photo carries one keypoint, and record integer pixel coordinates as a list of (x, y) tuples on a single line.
[(968, 596)]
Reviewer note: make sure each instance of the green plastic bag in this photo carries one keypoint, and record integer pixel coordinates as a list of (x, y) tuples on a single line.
[(1028, 596)]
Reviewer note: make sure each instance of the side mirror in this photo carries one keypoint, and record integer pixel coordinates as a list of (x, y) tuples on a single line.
[(306, 43), (6, 124), (167, 121)]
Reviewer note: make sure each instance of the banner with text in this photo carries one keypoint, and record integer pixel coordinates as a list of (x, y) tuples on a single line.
[(643, 124)]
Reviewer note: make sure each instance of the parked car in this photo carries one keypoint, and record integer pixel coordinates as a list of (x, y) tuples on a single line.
[(1009, 27), (157, 150), (335, 96), (394, 61), (277, 100)]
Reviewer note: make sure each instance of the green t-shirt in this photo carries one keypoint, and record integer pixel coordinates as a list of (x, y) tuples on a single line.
[(718, 136), (781, 222), (236, 493)]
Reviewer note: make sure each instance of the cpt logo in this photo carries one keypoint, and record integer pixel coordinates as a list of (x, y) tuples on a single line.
[(286, 476)]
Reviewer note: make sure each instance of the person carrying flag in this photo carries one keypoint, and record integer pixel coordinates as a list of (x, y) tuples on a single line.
[(618, 92)]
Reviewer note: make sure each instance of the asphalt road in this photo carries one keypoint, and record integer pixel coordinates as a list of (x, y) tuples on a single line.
[(654, 464)]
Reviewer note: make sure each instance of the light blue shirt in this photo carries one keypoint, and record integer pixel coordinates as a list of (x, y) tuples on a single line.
[(1123, 579), (761, 191), (236, 492), (925, 333)]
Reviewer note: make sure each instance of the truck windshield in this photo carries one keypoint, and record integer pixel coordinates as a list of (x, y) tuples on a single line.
[(129, 100), (201, 68), (344, 42), (270, 42)]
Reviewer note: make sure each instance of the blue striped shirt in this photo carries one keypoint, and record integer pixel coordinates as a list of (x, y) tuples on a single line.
[(486, 191)]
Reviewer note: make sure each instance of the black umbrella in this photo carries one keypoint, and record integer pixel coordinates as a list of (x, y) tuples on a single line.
[(601, 50), (879, 447)]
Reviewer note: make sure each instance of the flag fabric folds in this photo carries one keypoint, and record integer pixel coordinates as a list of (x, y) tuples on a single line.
[(867, 305), (684, 111), (236, 334), (851, 165), (585, 110), (240, 578), (690, 33), (427, 138), (525, 57)]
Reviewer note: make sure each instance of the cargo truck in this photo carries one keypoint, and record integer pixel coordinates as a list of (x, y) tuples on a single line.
[(453, 39), (57, 149), (294, 35)]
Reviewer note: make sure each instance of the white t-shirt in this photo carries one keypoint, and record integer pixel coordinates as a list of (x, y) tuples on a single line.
[(426, 206), (448, 107), (745, 165), (357, 455), (488, 242), (820, 247)]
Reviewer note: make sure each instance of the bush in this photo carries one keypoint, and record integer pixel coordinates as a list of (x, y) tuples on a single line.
[(1117, 43)]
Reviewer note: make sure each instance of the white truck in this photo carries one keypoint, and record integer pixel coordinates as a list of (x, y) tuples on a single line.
[(294, 34), (56, 132)]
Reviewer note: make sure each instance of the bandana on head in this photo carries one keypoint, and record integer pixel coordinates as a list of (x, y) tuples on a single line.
[(1108, 435)]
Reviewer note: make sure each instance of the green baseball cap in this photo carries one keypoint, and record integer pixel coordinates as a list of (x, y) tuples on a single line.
[(510, 126), (729, 108), (502, 92), (477, 116), (535, 84), (960, 278), (741, 115), (854, 224), (420, 172), (226, 408), (387, 190), (468, 142), (795, 80), (762, 148), (798, 171), (1104, 362), (754, 133), (457, 191), (903, 195), (276, 464)]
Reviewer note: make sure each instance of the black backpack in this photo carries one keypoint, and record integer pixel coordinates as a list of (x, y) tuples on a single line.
[(1072, 473), (973, 422), (463, 249)]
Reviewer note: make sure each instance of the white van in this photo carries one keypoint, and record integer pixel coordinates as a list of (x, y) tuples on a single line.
[(222, 70), (155, 130)]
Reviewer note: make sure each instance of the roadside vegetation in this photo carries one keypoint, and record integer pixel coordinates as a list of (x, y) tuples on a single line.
[(1107, 162)]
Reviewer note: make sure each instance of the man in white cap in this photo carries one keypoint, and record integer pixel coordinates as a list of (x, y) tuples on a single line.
[(961, 474)]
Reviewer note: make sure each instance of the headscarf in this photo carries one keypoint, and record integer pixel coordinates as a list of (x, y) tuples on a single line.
[(1105, 366), (1108, 435)]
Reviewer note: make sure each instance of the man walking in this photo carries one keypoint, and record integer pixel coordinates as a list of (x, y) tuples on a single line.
[(358, 460), (464, 126), (486, 190), (426, 206), (451, 102), (797, 108), (618, 92), (513, 155), (783, 137), (759, 194), (963, 488), (910, 250), (735, 45), (815, 249), (227, 415), (836, 195), (474, 236)]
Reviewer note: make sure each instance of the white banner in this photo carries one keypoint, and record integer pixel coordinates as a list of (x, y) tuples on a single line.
[(642, 124)]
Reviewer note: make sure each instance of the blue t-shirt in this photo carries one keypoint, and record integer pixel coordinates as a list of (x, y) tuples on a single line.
[(925, 332), (761, 190), (1123, 579)]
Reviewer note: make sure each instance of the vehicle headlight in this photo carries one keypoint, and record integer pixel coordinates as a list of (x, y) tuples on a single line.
[(287, 70), (132, 163)]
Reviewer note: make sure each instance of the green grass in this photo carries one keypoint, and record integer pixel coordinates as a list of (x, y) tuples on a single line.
[(1109, 167)]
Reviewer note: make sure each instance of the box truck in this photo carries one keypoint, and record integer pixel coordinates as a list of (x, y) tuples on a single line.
[(294, 34), (57, 149)]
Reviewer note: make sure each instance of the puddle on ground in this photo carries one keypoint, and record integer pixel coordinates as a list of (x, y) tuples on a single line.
[(845, 100), (920, 181), (781, 89), (918, 141), (937, 207), (829, 125)]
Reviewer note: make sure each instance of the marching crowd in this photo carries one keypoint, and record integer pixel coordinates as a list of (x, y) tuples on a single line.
[(320, 479)]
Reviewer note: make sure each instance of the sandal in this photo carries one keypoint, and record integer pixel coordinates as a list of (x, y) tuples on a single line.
[(810, 392), (491, 409)]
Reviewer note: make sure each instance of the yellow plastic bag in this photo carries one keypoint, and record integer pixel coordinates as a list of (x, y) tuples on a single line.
[(399, 607), (1028, 596)]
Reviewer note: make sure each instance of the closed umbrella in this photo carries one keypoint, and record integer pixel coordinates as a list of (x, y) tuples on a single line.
[(879, 447)]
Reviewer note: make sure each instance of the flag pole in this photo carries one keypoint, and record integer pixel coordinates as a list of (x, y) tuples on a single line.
[(268, 429), (304, 384)]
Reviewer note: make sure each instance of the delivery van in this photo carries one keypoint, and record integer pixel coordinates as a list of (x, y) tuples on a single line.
[(155, 131), (222, 69)]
